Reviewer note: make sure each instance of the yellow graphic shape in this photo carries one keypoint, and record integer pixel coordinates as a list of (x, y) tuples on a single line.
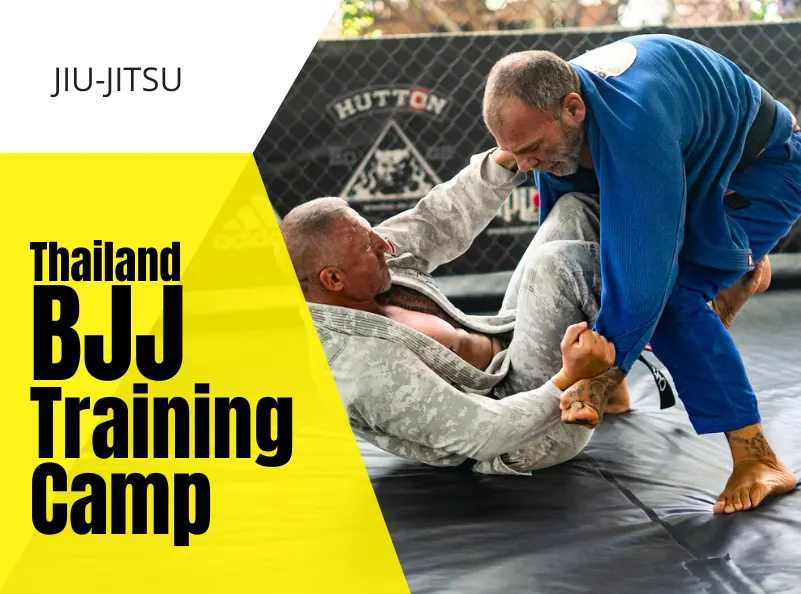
[(311, 525)]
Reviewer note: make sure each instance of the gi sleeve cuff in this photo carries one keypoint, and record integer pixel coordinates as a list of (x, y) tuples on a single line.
[(496, 176)]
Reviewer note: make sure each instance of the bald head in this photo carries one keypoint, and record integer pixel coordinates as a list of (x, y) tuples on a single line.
[(338, 258), (538, 79), (308, 231)]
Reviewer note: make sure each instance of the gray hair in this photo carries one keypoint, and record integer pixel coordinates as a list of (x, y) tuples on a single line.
[(539, 79), (305, 230)]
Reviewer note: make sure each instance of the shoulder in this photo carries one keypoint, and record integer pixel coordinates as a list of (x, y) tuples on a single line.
[(633, 72), (333, 342)]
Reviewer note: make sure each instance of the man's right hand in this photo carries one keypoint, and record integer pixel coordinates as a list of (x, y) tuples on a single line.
[(585, 354), (505, 159)]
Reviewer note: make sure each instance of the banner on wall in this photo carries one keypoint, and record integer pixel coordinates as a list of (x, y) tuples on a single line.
[(379, 122)]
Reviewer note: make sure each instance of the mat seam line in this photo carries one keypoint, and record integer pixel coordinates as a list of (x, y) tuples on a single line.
[(650, 513)]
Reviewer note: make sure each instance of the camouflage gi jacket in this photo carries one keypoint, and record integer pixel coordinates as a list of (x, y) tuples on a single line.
[(404, 392)]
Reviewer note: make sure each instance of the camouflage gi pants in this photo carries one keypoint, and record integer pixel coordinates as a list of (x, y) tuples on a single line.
[(556, 284)]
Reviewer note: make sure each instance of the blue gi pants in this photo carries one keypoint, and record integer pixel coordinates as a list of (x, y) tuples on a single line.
[(714, 388)]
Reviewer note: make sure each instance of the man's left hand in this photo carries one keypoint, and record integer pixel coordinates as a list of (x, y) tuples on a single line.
[(585, 401)]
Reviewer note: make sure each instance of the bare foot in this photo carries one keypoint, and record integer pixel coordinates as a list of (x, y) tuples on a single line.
[(757, 471), (619, 401), (730, 301), (752, 481)]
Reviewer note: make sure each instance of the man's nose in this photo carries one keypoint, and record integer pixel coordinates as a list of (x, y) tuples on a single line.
[(527, 163), (381, 244)]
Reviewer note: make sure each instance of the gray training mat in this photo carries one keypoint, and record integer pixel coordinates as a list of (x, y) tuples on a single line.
[(633, 513)]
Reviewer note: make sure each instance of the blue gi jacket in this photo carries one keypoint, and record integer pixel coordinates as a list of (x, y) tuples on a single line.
[(666, 135)]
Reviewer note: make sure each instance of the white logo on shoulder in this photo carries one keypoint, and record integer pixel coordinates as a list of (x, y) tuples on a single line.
[(609, 60)]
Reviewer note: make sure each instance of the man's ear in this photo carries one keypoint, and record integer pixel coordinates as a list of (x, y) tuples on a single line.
[(332, 278), (573, 109)]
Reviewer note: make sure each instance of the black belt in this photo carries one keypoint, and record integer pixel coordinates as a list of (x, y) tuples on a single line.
[(666, 396), (759, 134)]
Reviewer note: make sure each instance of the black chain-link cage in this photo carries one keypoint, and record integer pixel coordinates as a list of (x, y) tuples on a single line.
[(380, 121)]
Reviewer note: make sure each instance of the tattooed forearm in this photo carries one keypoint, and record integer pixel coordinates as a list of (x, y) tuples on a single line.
[(600, 387), (749, 445), (585, 401)]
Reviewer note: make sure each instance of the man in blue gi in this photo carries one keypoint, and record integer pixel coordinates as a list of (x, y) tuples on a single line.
[(698, 171)]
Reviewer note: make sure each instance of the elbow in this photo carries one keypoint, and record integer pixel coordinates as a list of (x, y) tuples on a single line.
[(500, 439), (485, 444)]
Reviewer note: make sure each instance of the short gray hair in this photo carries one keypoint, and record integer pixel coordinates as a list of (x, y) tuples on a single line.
[(305, 230), (539, 79)]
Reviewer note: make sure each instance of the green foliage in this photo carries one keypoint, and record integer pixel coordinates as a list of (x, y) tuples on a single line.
[(759, 10), (357, 19)]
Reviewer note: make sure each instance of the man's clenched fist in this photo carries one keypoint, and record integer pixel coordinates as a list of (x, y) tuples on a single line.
[(585, 353)]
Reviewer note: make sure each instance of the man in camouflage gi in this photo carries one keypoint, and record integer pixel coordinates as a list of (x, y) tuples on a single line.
[(425, 381)]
